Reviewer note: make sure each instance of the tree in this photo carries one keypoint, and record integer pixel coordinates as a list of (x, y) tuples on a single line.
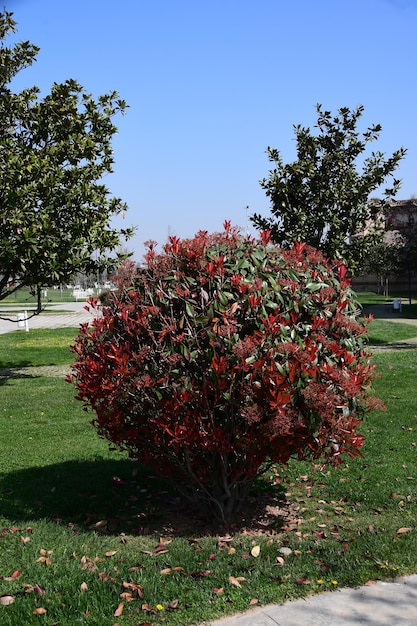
[(406, 250), (55, 210), (223, 355), (322, 198)]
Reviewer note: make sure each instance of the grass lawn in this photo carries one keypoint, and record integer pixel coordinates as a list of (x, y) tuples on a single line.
[(25, 296), (369, 300), (89, 537), (383, 331)]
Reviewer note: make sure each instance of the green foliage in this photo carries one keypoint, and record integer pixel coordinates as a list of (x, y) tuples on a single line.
[(322, 198), (55, 211)]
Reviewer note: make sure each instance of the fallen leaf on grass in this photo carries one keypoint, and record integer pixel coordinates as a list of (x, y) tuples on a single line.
[(119, 610), (255, 551), (84, 587), (44, 558), (302, 581), (39, 611), (254, 601), (6, 600), (149, 609), (173, 604), (236, 581), (39, 590), (202, 574), (169, 570), (24, 540), (135, 568), (15, 575), (126, 597), (135, 587), (403, 530), (219, 591), (110, 553)]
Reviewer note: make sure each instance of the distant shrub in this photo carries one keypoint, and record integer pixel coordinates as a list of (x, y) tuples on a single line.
[(223, 355)]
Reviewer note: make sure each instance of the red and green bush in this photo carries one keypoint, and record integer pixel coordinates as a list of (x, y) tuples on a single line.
[(223, 355)]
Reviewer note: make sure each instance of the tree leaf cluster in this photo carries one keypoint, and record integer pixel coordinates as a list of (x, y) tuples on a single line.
[(55, 151), (323, 197)]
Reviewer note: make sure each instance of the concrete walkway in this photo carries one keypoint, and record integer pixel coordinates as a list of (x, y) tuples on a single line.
[(68, 314), (382, 604)]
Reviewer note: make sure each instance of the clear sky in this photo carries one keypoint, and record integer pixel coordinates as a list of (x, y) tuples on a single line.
[(211, 84)]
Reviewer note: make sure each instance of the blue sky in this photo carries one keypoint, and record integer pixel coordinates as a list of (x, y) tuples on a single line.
[(211, 84)]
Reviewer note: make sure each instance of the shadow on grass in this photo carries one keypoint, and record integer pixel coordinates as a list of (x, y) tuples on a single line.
[(386, 311), (111, 496), (122, 496), (25, 370)]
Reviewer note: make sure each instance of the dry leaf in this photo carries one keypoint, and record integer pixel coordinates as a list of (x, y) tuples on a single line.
[(24, 540), (254, 601), (84, 587), (126, 596), (401, 531), (39, 590), (219, 591), (173, 604), (255, 551), (119, 610), (231, 551), (39, 611), (234, 581), (165, 571), (280, 560), (111, 553), (6, 600), (15, 574), (149, 609)]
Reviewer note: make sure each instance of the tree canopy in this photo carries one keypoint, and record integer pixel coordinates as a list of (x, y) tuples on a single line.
[(323, 197), (55, 211)]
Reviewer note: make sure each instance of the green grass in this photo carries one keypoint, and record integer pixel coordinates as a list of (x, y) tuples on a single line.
[(382, 331), (40, 347), (24, 296), (369, 300), (79, 524)]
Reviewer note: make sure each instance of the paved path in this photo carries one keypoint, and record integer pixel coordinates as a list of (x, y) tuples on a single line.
[(70, 314), (383, 604)]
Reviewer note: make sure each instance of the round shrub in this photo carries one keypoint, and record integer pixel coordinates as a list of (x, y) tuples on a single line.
[(225, 354)]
